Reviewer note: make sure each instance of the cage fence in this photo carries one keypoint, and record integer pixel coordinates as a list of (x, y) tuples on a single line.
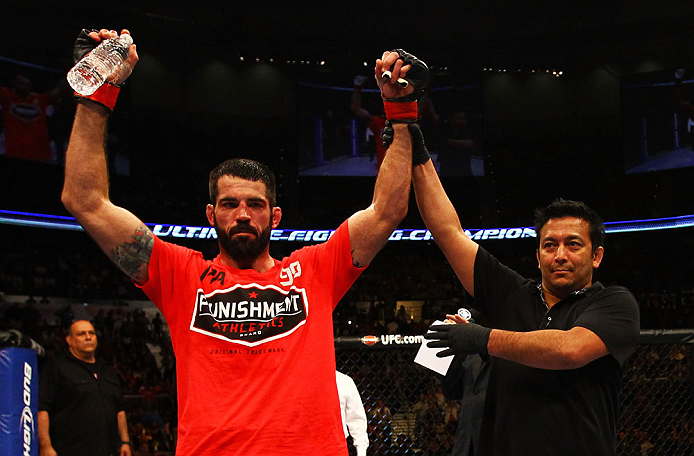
[(407, 413)]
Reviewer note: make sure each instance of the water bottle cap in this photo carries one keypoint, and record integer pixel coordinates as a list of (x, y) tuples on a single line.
[(127, 38), (466, 314)]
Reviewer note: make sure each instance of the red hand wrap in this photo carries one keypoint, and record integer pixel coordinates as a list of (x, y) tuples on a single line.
[(403, 111), (105, 95)]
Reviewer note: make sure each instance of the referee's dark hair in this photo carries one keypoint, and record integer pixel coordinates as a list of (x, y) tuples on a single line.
[(567, 208)]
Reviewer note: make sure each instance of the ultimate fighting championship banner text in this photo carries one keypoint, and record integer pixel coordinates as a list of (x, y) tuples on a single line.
[(289, 235)]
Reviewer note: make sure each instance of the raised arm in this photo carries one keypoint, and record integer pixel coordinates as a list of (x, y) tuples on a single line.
[(355, 104), (124, 238), (370, 228), (442, 220)]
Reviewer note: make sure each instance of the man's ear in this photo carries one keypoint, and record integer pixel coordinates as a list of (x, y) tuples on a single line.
[(597, 257), (209, 211), (276, 216)]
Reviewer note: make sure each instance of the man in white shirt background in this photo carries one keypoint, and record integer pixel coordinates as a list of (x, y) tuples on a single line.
[(353, 414)]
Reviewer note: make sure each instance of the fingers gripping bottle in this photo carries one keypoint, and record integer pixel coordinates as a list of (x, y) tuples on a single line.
[(93, 70)]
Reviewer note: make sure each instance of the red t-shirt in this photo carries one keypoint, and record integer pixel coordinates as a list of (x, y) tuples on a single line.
[(255, 357), (26, 130)]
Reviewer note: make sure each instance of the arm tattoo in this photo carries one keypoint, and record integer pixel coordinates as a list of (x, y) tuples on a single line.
[(130, 256), (356, 264)]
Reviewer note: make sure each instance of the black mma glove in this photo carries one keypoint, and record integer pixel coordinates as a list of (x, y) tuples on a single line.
[(404, 109), (83, 45), (107, 94), (418, 75), (420, 153), (458, 339), (387, 136)]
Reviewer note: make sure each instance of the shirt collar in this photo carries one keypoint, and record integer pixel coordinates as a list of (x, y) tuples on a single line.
[(583, 291)]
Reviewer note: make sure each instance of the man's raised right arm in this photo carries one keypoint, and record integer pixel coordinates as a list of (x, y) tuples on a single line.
[(124, 238), (442, 220)]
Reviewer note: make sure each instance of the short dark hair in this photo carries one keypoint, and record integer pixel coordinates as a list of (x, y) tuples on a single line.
[(245, 169), (566, 208), (68, 331)]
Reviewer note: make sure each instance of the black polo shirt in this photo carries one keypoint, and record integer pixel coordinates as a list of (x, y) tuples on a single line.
[(531, 411), (82, 401)]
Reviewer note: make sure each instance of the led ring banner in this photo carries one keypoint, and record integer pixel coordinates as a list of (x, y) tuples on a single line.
[(290, 235)]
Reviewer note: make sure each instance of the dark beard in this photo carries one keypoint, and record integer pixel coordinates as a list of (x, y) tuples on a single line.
[(244, 249)]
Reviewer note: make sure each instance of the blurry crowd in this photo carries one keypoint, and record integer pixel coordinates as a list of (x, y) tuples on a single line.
[(135, 346), (74, 268), (656, 413)]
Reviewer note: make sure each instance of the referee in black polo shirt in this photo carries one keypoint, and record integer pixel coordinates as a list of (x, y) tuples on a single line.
[(81, 407)]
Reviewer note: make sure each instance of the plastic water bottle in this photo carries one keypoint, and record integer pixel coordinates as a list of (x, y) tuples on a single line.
[(91, 72)]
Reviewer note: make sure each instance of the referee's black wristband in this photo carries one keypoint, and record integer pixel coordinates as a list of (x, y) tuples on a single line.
[(420, 153), (124, 443)]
